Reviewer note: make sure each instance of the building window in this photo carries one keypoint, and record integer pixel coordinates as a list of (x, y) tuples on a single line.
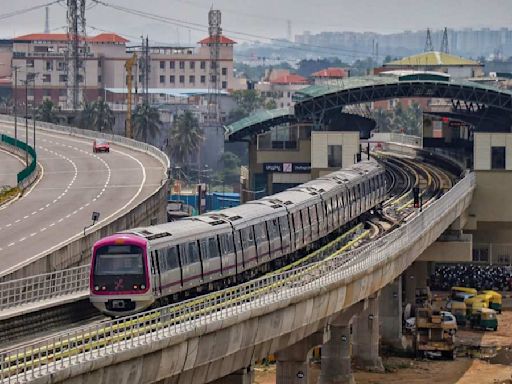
[(334, 156), (203, 79), (49, 65), (162, 79), (224, 71), (29, 63), (214, 79), (182, 79), (203, 65), (192, 65), (497, 157), (182, 65), (63, 92), (99, 79), (172, 79), (140, 78), (192, 79), (171, 64), (162, 65), (63, 78), (224, 84), (47, 78)]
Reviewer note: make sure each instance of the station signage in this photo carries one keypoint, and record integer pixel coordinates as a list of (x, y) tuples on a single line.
[(287, 167)]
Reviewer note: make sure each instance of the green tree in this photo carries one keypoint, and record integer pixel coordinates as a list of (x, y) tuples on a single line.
[(146, 122), (86, 117), (103, 117), (382, 119), (185, 137), (47, 112)]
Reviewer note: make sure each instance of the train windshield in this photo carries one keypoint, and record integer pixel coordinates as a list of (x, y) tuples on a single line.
[(119, 260)]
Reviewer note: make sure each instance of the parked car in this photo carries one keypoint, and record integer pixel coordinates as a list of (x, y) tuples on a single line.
[(100, 145)]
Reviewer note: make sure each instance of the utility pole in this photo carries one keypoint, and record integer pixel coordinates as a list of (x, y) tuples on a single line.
[(444, 42), (47, 20), (76, 24), (15, 67)]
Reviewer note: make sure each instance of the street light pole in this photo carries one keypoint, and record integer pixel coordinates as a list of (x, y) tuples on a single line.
[(26, 119), (15, 101)]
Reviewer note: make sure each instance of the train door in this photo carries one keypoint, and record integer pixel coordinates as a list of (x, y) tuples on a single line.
[(227, 249), (262, 242), (298, 229), (286, 235), (210, 255), (274, 238), (239, 251), (191, 264), (306, 224), (250, 255), (313, 217), (155, 274)]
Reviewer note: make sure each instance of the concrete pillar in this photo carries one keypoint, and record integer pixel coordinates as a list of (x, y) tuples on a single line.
[(390, 314), (416, 276), (336, 350), (243, 376), (292, 362), (336, 362), (367, 337)]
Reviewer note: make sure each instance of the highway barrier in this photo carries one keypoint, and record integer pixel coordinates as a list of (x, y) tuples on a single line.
[(27, 175)]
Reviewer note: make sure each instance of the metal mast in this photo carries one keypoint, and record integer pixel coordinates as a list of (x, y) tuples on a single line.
[(444, 42), (428, 43), (76, 24), (47, 20), (215, 32)]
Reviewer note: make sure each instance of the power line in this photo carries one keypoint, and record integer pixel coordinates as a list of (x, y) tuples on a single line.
[(26, 10), (249, 36)]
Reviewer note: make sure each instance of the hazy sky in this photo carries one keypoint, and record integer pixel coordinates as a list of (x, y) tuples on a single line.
[(266, 18)]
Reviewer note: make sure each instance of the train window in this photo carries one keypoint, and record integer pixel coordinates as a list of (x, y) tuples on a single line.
[(297, 223), (226, 243), (273, 228), (171, 257), (238, 240), (305, 217), (260, 232), (193, 252), (203, 247), (312, 214), (213, 247)]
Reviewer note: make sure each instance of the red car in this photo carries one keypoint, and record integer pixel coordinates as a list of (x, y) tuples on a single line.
[(100, 145)]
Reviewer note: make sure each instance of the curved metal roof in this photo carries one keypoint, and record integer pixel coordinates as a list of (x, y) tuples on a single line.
[(312, 102)]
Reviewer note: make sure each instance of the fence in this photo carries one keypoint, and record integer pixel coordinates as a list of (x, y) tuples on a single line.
[(25, 176), (43, 287), (97, 341)]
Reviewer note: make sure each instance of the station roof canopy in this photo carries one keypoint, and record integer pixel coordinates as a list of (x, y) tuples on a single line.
[(258, 122), (433, 58)]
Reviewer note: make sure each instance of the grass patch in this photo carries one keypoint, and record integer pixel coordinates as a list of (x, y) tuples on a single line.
[(8, 193)]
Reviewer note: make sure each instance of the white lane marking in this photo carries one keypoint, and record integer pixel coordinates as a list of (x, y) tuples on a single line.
[(10, 244), (57, 246)]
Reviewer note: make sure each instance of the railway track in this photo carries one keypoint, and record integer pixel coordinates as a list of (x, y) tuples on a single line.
[(433, 181)]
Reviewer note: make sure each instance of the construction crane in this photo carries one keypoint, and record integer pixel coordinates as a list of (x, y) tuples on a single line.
[(128, 65)]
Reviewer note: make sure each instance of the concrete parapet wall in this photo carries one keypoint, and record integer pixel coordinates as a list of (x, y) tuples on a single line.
[(76, 251), (210, 351)]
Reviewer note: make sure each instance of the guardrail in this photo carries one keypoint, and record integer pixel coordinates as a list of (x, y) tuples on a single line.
[(43, 287), (26, 175), (97, 341)]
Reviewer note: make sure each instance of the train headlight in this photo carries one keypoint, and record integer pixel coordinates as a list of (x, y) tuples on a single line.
[(135, 286), (103, 288), (96, 287), (142, 286)]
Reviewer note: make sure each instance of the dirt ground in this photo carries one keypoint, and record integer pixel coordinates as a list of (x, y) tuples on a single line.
[(464, 370)]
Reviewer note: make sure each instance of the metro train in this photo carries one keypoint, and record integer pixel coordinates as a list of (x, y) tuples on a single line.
[(137, 268)]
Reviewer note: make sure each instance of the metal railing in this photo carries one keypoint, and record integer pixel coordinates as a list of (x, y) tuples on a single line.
[(26, 175), (94, 342), (43, 287)]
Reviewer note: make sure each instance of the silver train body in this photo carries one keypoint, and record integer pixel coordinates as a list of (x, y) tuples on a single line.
[(216, 249)]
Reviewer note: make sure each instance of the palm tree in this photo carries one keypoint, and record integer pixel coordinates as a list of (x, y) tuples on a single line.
[(46, 112), (185, 137), (103, 117), (146, 122), (86, 118)]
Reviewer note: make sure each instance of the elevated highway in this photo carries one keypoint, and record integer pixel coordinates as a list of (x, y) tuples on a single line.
[(73, 183), (287, 313)]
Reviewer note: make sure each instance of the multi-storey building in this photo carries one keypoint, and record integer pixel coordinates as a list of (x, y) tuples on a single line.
[(43, 57)]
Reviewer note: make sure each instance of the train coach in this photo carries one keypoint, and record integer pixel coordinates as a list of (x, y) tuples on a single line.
[(137, 268)]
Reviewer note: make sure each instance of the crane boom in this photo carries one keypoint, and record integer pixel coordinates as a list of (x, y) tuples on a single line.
[(128, 65)]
